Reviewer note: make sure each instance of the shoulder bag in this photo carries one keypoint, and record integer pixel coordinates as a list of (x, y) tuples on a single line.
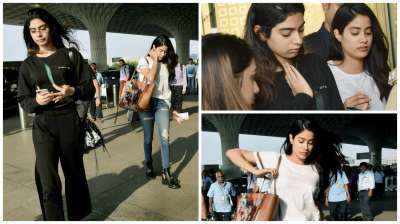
[(258, 206), (136, 95)]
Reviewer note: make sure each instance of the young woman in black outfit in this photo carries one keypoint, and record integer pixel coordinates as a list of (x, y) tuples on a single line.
[(288, 79), (49, 84)]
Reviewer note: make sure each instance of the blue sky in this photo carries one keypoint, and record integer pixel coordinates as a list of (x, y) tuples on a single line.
[(211, 147), (127, 46)]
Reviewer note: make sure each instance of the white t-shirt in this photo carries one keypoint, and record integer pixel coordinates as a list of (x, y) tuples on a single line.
[(350, 84), (296, 186), (162, 90), (366, 180)]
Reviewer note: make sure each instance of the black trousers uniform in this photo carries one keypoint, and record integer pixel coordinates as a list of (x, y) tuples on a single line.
[(56, 137)]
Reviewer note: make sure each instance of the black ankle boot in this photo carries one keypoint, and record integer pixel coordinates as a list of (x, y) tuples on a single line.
[(150, 170), (167, 179)]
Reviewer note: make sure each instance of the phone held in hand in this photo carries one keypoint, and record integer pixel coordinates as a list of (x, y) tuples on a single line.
[(42, 91)]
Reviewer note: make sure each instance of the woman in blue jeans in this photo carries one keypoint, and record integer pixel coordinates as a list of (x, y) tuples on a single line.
[(158, 66)]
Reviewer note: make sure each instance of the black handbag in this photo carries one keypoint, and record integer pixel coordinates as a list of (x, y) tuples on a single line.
[(92, 136)]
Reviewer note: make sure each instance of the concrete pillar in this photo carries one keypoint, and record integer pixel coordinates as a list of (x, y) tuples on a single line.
[(183, 48), (96, 18), (373, 140), (98, 48), (375, 149), (228, 126)]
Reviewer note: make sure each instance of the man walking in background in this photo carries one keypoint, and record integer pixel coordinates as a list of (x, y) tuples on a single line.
[(220, 198), (320, 41), (191, 75), (366, 183)]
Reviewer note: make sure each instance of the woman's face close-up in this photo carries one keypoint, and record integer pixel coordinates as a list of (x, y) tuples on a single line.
[(161, 52), (356, 39), (249, 87), (302, 144), (286, 37), (40, 32)]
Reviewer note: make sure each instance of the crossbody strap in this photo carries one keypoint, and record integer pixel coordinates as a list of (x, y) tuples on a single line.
[(277, 168)]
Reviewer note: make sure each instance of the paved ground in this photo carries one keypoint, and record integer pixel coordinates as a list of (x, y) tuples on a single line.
[(382, 209), (119, 190)]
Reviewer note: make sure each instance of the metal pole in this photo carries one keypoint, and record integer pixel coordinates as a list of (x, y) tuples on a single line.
[(22, 117), (115, 95)]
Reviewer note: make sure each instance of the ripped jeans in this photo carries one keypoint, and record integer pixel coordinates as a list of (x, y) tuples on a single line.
[(158, 113)]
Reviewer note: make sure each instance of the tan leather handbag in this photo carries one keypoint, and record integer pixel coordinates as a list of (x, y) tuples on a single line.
[(268, 208), (136, 95), (258, 206)]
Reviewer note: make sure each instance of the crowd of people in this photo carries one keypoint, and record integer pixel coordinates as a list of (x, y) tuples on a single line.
[(344, 65)]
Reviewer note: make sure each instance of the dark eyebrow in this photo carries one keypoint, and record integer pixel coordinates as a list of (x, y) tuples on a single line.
[(359, 28), (305, 139), (38, 26), (290, 29)]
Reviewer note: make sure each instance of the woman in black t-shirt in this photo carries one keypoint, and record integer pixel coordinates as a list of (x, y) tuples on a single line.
[(50, 82), (288, 80)]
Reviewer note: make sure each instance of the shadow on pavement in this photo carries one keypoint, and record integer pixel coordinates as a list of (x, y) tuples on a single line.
[(120, 131), (191, 110), (106, 200)]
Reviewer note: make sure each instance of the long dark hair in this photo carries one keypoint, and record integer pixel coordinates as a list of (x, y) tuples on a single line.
[(376, 61), (224, 58), (326, 154), (58, 33), (266, 15), (170, 58)]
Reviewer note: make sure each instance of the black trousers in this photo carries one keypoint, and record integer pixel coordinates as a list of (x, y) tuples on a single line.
[(379, 190), (56, 137), (95, 111), (176, 98)]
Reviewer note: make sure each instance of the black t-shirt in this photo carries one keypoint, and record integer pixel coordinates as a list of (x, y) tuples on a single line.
[(318, 75), (33, 75)]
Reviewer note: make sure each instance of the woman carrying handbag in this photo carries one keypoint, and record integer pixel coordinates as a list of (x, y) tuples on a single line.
[(158, 68), (310, 154), (56, 126)]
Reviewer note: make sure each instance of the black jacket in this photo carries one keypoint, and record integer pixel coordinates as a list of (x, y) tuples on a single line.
[(318, 43), (32, 74), (318, 75)]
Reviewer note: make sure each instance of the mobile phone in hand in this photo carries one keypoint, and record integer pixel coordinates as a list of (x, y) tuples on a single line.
[(42, 91)]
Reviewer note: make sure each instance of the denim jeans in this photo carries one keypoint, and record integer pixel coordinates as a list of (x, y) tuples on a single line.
[(365, 206), (337, 210), (191, 84), (222, 216), (158, 113)]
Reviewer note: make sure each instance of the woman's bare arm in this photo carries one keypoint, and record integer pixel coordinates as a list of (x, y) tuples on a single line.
[(150, 73), (246, 160)]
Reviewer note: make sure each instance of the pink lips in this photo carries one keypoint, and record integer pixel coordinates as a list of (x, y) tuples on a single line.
[(304, 153), (362, 48)]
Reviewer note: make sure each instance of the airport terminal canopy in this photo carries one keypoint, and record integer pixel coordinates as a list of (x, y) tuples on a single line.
[(355, 129), (179, 21), (140, 19)]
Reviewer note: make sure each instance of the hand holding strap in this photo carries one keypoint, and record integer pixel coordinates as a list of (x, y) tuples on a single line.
[(277, 168)]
